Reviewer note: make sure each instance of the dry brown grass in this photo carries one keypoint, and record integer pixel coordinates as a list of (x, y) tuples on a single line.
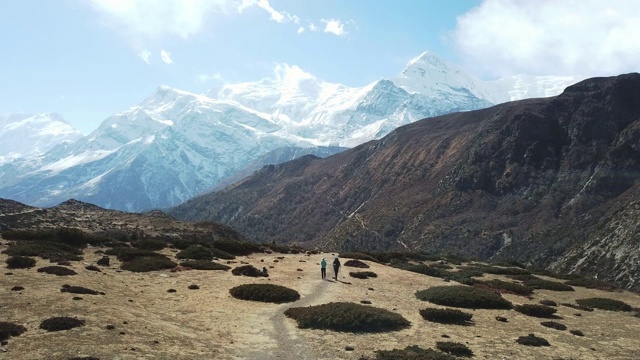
[(210, 323)]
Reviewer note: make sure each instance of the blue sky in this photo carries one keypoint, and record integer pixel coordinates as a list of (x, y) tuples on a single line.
[(88, 59)]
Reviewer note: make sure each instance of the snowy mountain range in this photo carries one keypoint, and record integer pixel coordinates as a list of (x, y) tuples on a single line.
[(176, 144), (29, 135)]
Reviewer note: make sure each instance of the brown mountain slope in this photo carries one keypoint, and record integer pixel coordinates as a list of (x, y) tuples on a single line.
[(96, 220), (538, 180)]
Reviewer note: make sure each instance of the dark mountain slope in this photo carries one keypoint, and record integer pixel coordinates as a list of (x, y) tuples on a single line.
[(534, 180)]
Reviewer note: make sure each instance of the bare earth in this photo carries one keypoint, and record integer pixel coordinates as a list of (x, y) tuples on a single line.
[(208, 323)]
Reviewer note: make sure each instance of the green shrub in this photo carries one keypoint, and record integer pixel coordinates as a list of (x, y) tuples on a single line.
[(93, 268), (420, 269), (356, 263), (199, 252), (578, 307), (78, 290), (204, 265), (604, 304), (454, 348), (237, 248), (535, 310), (61, 323), (554, 325), (413, 352), (510, 263), (265, 293), (357, 256), (446, 316), (44, 249), (129, 253), (538, 283), (145, 264), (347, 317), (532, 340), (463, 297), (69, 236), (496, 270), (248, 270), (524, 277), (57, 270), (637, 314), (505, 286), (150, 244), (548, 302), (8, 330), (576, 332), (363, 274), (20, 262), (592, 284)]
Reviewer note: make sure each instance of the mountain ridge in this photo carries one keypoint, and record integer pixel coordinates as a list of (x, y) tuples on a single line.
[(511, 180)]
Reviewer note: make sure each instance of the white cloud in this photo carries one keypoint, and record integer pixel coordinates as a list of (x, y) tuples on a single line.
[(145, 55), (152, 18), (203, 78), (569, 37), (313, 27), (334, 26), (166, 56), (300, 29), (277, 16)]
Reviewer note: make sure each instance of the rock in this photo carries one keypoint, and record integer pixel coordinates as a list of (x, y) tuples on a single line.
[(349, 348)]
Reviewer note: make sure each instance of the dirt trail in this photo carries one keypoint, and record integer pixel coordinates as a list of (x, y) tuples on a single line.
[(289, 345)]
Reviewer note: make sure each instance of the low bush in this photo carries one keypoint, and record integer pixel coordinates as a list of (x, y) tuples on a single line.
[(78, 290), (538, 283), (248, 270), (20, 262), (532, 340), (104, 261), (356, 263), (420, 269), (357, 256), (265, 293), (149, 244), (8, 330), (145, 264), (548, 302), (93, 268), (347, 317), (576, 332), (363, 274), (501, 319), (510, 263), (446, 316), (204, 265), (509, 287), (67, 236), (454, 348), (61, 323), (57, 270), (44, 249), (129, 253), (199, 252), (592, 284), (578, 307), (237, 248), (17, 288), (535, 310), (413, 352), (463, 297), (524, 277), (554, 325), (605, 304)]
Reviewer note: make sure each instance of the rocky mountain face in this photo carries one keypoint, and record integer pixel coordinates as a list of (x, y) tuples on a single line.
[(176, 145), (552, 182)]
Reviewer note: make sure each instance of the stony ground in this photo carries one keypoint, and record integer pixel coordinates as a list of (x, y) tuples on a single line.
[(207, 323)]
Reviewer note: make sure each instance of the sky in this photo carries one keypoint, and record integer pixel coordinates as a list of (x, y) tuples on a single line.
[(88, 59)]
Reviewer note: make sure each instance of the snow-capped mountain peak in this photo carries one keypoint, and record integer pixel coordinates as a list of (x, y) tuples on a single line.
[(30, 135)]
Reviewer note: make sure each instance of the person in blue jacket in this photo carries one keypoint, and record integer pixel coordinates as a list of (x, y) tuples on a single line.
[(323, 269)]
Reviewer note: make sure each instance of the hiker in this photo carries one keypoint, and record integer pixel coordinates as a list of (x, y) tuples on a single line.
[(336, 266), (323, 269)]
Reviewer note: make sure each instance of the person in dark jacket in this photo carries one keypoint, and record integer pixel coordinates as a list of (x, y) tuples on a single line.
[(336, 266)]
